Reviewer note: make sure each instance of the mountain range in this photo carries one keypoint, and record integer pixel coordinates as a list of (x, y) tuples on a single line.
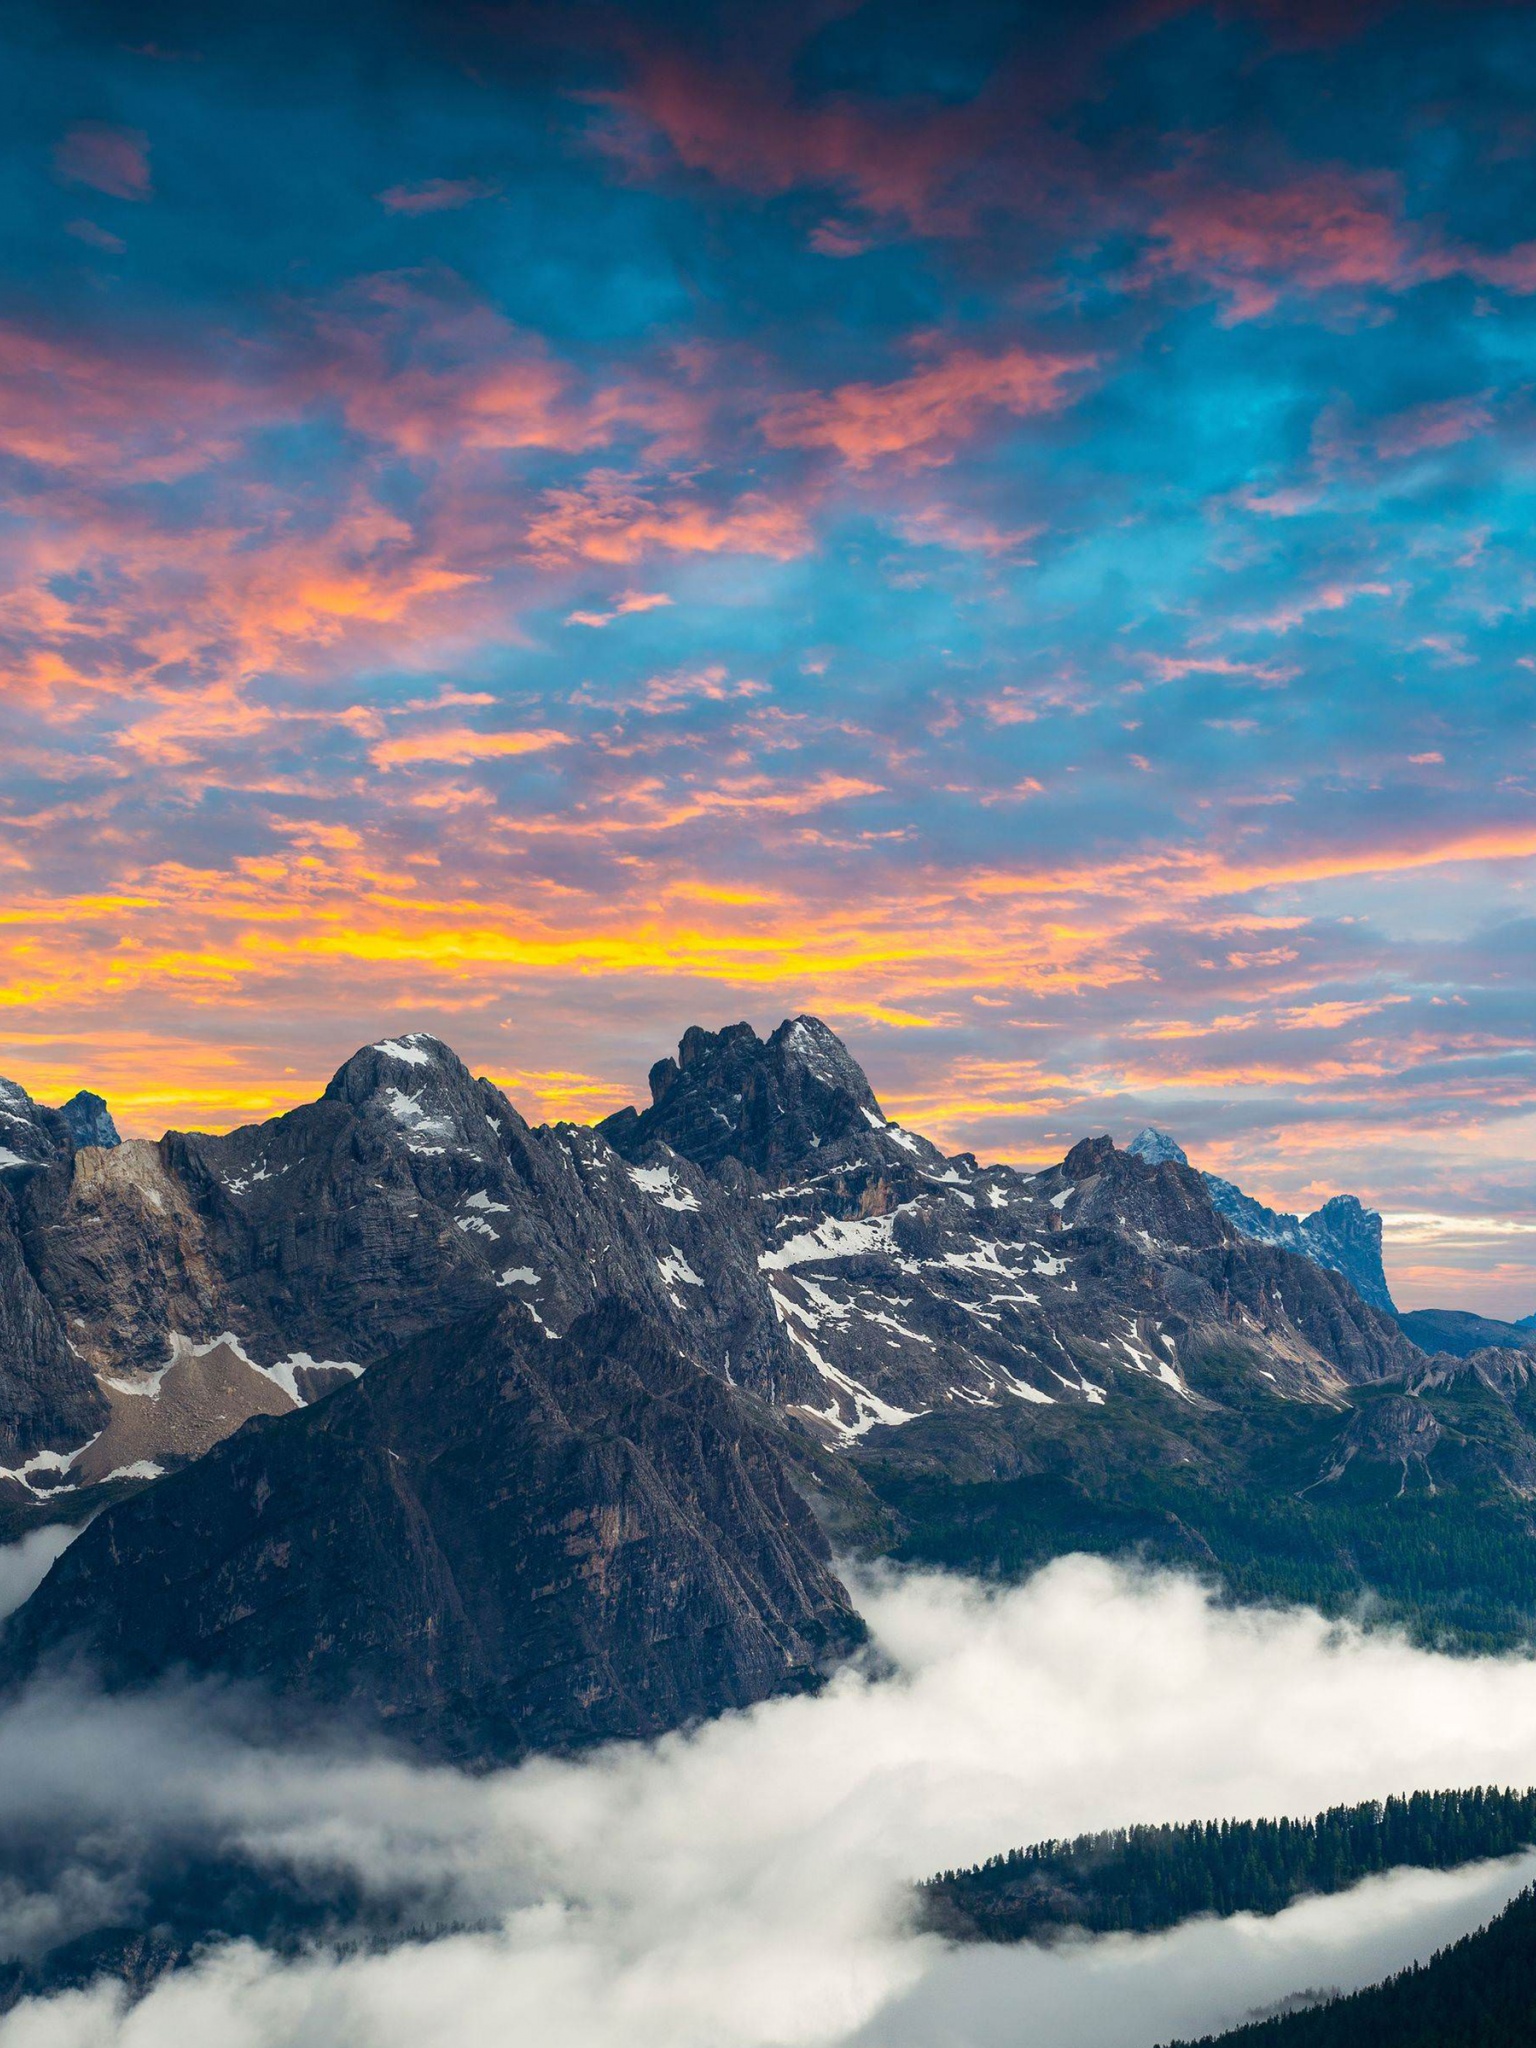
[(609, 1391)]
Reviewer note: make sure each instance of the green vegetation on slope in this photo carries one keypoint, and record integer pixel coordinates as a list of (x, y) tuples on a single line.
[(1265, 1497), (1135, 1880), (1481, 1993)]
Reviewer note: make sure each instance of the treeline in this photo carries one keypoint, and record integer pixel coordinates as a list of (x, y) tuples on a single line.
[(1134, 1880), (1479, 1994), (1458, 1573)]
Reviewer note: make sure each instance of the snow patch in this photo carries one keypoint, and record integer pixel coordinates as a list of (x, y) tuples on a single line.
[(513, 1274), (677, 1268), (407, 1110), (661, 1184), (834, 1239), (284, 1373), (408, 1049)]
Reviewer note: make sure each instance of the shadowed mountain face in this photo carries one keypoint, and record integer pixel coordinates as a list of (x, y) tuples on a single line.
[(492, 1544)]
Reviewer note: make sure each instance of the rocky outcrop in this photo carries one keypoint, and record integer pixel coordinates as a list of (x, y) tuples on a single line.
[(767, 1104), (89, 1120), (492, 1544)]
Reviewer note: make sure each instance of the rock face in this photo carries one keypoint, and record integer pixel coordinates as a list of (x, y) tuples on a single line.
[(763, 1210), (494, 1543), (90, 1121), (1343, 1235), (729, 1095)]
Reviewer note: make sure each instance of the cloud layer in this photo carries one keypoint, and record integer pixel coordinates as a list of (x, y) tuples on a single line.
[(745, 1884), (1015, 542)]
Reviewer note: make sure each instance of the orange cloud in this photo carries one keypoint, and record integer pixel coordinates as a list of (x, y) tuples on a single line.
[(457, 745), (923, 418), (617, 519), (631, 601)]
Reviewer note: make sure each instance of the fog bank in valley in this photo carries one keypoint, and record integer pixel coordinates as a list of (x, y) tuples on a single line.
[(745, 1884)]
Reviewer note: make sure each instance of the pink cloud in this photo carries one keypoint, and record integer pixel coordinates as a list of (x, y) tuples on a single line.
[(747, 130), (1321, 232), (111, 160), (436, 195), (1440, 425), (98, 238), (923, 418)]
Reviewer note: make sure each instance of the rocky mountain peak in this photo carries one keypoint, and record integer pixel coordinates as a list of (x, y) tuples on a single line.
[(30, 1134), (1156, 1147), (1088, 1157), (420, 1091), (768, 1103), (90, 1121)]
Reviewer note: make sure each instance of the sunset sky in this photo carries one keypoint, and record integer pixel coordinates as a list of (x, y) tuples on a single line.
[(1006, 526)]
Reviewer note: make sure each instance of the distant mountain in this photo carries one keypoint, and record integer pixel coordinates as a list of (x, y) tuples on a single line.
[(494, 1543), (1342, 1235), (1454, 1330)]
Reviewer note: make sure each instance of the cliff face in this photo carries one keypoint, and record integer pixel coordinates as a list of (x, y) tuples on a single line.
[(494, 1543)]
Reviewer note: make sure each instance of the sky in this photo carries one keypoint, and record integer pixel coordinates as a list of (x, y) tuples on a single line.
[(1004, 526)]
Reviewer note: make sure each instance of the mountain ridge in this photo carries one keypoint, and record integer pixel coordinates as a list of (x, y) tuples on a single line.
[(1342, 1234)]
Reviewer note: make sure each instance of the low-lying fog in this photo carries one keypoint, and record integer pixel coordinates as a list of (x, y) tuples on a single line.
[(745, 1884)]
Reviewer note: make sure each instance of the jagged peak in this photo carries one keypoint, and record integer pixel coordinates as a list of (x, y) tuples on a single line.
[(90, 1121), (31, 1134), (764, 1102), (1155, 1147), (1088, 1157)]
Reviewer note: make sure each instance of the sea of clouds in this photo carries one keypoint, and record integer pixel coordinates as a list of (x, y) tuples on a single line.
[(746, 1884)]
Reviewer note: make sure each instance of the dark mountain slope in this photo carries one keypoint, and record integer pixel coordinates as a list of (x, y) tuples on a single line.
[(1481, 1993), (491, 1544), (1454, 1330)]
